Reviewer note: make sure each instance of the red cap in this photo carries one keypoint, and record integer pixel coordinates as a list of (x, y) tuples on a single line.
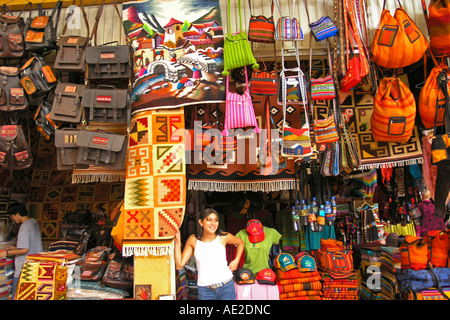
[(255, 230), (266, 276)]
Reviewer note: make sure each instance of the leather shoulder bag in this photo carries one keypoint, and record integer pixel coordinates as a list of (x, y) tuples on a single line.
[(12, 96), (71, 49), (67, 103), (40, 32), (11, 34)]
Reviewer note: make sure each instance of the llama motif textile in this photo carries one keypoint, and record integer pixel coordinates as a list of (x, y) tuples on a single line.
[(177, 52), (155, 185), (41, 280)]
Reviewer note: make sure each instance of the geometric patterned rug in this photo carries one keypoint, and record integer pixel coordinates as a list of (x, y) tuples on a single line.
[(42, 281), (155, 185)]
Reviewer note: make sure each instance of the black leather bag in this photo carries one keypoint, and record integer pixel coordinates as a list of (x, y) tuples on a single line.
[(40, 32), (93, 264), (37, 77), (12, 96), (107, 62), (100, 148), (106, 104)]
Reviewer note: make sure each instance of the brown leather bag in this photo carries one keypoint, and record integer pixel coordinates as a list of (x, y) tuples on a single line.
[(12, 96), (106, 104), (101, 148), (67, 103), (71, 50), (106, 61), (40, 32), (120, 273), (15, 152), (11, 34), (67, 149), (94, 264)]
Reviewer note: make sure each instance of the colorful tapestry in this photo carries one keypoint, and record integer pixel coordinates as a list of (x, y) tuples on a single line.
[(42, 281), (155, 185), (177, 52), (356, 106), (239, 171)]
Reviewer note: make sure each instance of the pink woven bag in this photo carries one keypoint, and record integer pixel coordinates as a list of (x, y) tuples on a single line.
[(239, 111)]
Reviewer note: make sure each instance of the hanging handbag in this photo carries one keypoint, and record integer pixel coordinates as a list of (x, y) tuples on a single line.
[(67, 103), (352, 157), (431, 97), (106, 103), (12, 96), (438, 25), (11, 34), (37, 77), (261, 28), (100, 148), (353, 75), (321, 88), (394, 111), (239, 111), (289, 83), (15, 151), (440, 144), (71, 50), (323, 28), (40, 32), (107, 62), (397, 42), (325, 130), (67, 149), (264, 82), (288, 27), (236, 49)]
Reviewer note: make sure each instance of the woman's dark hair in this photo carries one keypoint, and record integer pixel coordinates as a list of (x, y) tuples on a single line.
[(203, 214), (18, 208)]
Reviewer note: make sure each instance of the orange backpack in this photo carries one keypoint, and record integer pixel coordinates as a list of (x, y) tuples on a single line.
[(430, 96), (394, 111), (438, 248), (398, 42), (414, 253)]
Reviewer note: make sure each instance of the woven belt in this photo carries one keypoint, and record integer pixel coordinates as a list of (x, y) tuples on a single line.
[(218, 285)]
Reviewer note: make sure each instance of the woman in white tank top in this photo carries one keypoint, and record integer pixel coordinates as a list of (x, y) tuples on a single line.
[(215, 275)]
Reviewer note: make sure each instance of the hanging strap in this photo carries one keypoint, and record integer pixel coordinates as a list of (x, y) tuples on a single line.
[(84, 18), (279, 8), (229, 16)]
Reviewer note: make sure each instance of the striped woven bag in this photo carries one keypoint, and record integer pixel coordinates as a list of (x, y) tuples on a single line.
[(237, 52), (394, 111), (398, 42), (288, 27), (438, 23), (261, 28)]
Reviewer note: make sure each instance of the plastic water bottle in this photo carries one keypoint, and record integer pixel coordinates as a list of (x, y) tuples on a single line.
[(334, 207), (312, 217), (329, 218), (304, 214), (295, 219), (321, 218)]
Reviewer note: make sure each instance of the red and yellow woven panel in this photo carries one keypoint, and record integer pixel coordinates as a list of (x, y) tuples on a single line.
[(155, 186), (42, 281)]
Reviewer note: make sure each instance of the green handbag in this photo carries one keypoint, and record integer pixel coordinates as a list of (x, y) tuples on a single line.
[(237, 52)]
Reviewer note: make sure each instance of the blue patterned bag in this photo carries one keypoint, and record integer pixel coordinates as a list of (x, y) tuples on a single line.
[(323, 28)]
